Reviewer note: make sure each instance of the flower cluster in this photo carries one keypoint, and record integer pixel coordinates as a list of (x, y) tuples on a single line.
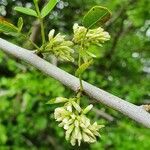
[(92, 36), (59, 46), (74, 120)]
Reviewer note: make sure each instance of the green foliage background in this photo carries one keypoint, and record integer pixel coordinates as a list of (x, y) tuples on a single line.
[(122, 68)]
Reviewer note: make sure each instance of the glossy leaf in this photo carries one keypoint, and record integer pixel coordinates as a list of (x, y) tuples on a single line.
[(7, 27), (83, 67), (48, 8), (20, 24), (97, 15), (26, 11)]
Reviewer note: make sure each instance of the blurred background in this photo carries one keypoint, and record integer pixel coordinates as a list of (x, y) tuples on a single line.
[(122, 68)]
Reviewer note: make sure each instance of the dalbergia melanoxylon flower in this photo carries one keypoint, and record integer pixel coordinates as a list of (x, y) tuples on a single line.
[(59, 46), (95, 36), (75, 122)]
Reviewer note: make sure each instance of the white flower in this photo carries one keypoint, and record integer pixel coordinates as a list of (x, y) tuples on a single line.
[(75, 122), (59, 46), (97, 36), (86, 138), (60, 113), (79, 33), (84, 121), (69, 131), (76, 106), (92, 36), (51, 34), (69, 106)]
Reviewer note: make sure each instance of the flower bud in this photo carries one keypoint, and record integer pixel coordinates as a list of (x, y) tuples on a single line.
[(79, 33), (69, 131), (60, 100), (59, 46), (90, 37), (77, 125), (76, 106), (69, 107), (87, 109), (85, 137), (60, 113), (73, 139), (92, 140), (51, 34), (88, 132)]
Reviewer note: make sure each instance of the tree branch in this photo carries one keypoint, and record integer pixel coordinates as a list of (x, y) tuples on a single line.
[(103, 114), (136, 113)]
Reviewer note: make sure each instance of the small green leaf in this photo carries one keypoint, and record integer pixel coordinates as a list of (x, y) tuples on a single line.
[(26, 11), (57, 100), (20, 24), (84, 55), (83, 67), (48, 8), (8, 28), (87, 109), (76, 106), (97, 15), (96, 50), (52, 101), (91, 54)]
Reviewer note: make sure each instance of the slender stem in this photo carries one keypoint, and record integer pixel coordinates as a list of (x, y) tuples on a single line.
[(41, 22), (79, 64), (42, 31), (80, 77), (80, 81), (27, 38)]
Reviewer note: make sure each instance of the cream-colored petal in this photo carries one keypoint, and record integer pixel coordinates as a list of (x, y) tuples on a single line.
[(51, 34), (69, 131)]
